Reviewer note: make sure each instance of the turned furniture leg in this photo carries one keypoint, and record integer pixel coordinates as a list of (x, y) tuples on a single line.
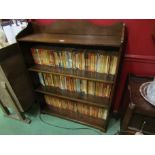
[(128, 116)]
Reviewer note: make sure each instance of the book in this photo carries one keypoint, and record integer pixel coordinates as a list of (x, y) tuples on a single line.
[(73, 60), (91, 111), (52, 80), (91, 87), (86, 60), (35, 56), (104, 115), (78, 88), (45, 79), (41, 79), (51, 58), (84, 86), (113, 65), (93, 61)]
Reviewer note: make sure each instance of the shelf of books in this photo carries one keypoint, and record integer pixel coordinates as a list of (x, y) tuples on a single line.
[(80, 96), (74, 80), (76, 111), (96, 66), (74, 71)]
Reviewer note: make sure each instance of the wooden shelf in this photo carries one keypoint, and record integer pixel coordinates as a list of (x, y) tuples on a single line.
[(76, 117), (75, 96), (89, 40), (93, 76)]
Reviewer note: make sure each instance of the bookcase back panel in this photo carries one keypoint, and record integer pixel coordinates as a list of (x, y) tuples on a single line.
[(78, 27), (79, 32)]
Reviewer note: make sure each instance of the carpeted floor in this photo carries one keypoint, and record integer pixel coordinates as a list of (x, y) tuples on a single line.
[(37, 127)]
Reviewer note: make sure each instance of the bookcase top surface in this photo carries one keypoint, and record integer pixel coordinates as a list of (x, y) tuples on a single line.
[(78, 32), (73, 39)]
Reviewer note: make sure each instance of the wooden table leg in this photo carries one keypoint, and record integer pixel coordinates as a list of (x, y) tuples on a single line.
[(19, 115), (4, 109)]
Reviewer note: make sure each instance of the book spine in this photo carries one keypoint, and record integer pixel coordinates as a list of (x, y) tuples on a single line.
[(70, 59), (83, 61), (98, 66), (67, 60), (115, 65), (42, 57), (45, 79), (38, 56), (95, 62), (41, 79), (86, 61), (78, 85), (104, 114), (73, 60), (61, 58), (52, 81), (34, 55), (58, 58), (89, 61), (46, 57), (48, 77)]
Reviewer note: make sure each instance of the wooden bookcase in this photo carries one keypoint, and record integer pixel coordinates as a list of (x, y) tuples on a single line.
[(84, 103)]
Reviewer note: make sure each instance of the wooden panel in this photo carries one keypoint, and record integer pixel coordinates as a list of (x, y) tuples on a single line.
[(17, 76), (80, 27), (90, 40), (140, 58), (75, 96), (4, 96), (93, 76), (137, 121)]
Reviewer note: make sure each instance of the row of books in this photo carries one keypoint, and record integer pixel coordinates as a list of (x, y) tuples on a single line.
[(100, 62), (75, 85), (76, 107)]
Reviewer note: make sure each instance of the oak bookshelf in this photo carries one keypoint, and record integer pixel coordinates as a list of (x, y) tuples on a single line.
[(68, 102)]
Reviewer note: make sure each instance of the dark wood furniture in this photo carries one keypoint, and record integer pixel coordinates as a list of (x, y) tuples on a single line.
[(77, 34), (16, 95), (136, 110)]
